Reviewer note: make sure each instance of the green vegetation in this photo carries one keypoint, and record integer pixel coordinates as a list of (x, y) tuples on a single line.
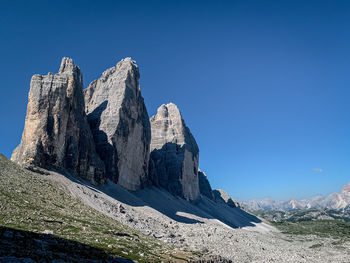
[(303, 215), (31, 202), (322, 228)]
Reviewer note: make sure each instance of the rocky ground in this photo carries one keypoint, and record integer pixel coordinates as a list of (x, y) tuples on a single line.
[(206, 226), (42, 222), (48, 209)]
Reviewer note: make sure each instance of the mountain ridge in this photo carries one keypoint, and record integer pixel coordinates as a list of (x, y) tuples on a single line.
[(104, 133), (335, 201)]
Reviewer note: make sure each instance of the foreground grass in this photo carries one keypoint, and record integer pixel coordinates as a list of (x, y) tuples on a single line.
[(30, 202)]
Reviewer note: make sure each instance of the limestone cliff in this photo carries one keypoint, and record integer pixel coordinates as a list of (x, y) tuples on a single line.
[(56, 132), (204, 185), (120, 124), (174, 153), (222, 196)]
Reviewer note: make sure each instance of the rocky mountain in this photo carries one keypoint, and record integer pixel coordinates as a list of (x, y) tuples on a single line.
[(221, 196), (108, 184), (120, 124), (104, 132), (346, 189), (204, 185), (56, 132), (174, 153), (335, 201)]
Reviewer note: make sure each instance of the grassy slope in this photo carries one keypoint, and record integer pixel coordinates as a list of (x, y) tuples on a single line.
[(323, 228), (31, 202)]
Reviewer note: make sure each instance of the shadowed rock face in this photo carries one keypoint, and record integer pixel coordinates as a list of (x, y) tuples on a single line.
[(174, 154), (204, 185), (56, 132), (222, 196), (120, 124)]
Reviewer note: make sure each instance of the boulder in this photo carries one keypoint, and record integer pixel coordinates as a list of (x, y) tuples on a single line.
[(174, 154), (120, 124), (56, 132)]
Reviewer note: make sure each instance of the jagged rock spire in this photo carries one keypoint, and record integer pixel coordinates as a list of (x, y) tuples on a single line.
[(174, 153), (56, 133), (120, 124), (67, 65)]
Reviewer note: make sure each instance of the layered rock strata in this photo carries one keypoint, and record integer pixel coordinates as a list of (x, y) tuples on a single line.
[(174, 154), (120, 124), (56, 132)]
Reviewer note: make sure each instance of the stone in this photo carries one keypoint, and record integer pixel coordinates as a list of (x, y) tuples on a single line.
[(56, 132), (120, 124), (48, 232), (204, 185), (174, 154), (223, 197)]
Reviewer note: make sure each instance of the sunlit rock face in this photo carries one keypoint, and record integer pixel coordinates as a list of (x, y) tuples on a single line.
[(56, 132), (120, 124), (174, 154)]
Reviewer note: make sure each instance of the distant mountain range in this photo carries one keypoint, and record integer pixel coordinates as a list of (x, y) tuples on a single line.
[(335, 201)]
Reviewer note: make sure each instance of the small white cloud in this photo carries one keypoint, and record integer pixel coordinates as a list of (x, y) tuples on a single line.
[(317, 170)]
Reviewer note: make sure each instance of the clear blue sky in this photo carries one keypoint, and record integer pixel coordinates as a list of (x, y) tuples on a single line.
[(263, 85)]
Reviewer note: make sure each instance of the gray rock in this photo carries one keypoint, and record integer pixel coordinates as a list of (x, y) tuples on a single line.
[(120, 124), (204, 185), (56, 132), (174, 154), (222, 196)]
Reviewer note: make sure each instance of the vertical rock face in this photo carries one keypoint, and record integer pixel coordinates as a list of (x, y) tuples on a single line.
[(56, 132), (174, 153), (223, 197), (204, 185), (120, 124)]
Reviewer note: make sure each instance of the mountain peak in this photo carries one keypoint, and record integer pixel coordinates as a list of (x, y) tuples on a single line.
[(166, 110), (67, 64), (346, 189)]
